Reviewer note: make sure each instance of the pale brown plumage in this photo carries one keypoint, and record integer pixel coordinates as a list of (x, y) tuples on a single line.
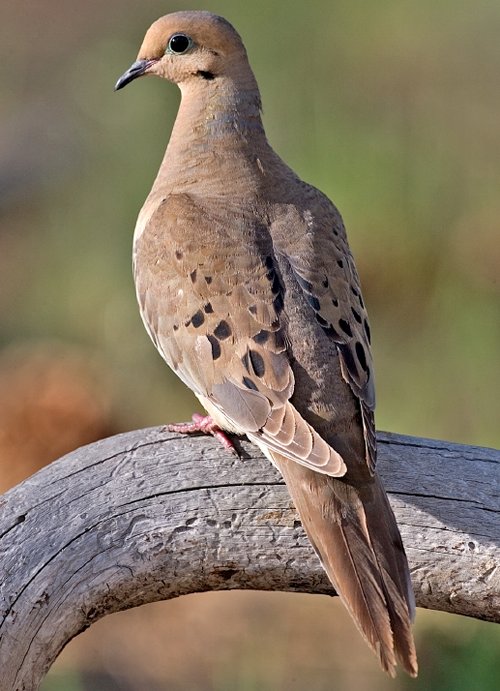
[(249, 291)]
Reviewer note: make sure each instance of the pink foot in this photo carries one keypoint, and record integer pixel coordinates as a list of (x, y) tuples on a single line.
[(205, 425)]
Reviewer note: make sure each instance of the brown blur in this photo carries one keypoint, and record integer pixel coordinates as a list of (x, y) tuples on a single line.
[(51, 402)]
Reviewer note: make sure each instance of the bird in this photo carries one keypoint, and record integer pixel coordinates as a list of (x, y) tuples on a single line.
[(248, 289)]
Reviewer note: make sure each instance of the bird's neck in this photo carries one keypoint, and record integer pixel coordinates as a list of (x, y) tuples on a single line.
[(218, 125)]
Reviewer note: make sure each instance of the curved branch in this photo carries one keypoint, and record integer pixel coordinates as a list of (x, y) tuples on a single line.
[(147, 516)]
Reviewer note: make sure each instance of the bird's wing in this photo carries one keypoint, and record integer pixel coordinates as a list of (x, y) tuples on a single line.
[(314, 243), (213, 304)]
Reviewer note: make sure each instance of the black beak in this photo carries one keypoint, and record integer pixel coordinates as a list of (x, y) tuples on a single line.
[(137, 69)]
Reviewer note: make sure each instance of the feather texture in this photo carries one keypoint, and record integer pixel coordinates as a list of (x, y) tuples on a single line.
[(248, 289), (354, 533)]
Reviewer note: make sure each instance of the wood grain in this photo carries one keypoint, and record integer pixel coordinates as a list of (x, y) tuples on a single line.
[(148, 516)]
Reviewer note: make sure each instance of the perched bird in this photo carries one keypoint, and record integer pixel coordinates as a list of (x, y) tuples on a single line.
[(249, 291)]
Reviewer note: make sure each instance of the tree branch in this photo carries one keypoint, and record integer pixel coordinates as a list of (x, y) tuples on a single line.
[(147, 516)]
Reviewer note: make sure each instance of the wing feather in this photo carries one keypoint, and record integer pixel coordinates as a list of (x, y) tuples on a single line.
[(314, 244), (216, 317)]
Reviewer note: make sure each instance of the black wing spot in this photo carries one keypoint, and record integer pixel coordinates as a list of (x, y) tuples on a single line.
[(314, 302), (328, 328), (253, 309), (335, 302), (261, 337), (360, 352), (330, 331), (322, 322), (216, 349), (275, 281), (349, 360), (249, 383), (178, 254), (197, 319), (208, 280), (356, 315), (325, 282), (340, 263), (279, 340), (367, 331), (346, 327), (278, 302), (208, 309), (257, 363), (222, 330), (276, 286)]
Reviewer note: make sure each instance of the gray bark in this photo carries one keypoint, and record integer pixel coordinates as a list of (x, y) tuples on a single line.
[(147, 516)]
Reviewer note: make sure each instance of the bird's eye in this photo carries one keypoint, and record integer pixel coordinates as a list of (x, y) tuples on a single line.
[(179, 43)]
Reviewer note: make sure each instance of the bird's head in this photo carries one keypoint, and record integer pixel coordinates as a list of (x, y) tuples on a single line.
[(189, 46)]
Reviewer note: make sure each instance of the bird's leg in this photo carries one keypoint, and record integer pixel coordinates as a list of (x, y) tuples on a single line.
[(204, 424)]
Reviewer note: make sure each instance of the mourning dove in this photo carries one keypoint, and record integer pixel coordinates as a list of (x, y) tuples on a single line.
[(249, 291)]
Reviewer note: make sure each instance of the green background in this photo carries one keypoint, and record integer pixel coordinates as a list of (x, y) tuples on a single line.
[(392, 109)]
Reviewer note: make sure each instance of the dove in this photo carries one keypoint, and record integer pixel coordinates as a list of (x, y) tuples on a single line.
[(249, 291)]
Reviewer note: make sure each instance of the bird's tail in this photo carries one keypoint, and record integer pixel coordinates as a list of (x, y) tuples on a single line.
[(354, 532)]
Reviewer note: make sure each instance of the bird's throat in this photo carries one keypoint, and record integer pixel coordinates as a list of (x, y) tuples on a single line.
[(215, 125)]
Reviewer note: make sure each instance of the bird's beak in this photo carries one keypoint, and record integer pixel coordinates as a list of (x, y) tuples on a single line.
[(137, 69)]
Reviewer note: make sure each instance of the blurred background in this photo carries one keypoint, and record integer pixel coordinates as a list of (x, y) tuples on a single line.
[(391, 108)]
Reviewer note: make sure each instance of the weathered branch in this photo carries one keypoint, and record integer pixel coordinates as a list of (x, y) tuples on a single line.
[(147, 516)]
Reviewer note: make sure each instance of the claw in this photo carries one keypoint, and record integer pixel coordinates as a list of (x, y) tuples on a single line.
[(204, 424)]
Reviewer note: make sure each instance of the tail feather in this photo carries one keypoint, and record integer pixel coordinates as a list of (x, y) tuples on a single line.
[(355, 535), (396, 577)]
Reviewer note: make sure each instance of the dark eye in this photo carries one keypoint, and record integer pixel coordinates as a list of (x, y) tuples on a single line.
[(179, 43)]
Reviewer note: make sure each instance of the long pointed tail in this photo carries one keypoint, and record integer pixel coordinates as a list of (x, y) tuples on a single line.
[(354, 532)]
